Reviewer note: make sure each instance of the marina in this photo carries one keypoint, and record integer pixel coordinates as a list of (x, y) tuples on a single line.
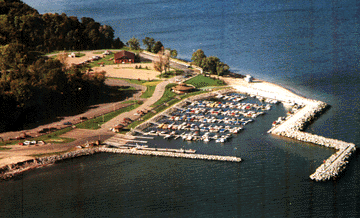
[(221, 115), (308, 47), (305, 111)]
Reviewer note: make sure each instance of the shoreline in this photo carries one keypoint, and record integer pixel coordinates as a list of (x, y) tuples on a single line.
[(291, 128)]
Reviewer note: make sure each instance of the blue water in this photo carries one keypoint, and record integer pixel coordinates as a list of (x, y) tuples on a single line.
[(310, 47)]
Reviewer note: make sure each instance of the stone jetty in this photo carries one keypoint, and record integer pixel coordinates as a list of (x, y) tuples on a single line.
[(294, 123), (135, 151), (13, 170), (291, 127)]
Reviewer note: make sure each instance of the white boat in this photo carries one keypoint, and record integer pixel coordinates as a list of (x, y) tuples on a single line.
[(220, 140), (167, 136), (191, 151), (206, 139)]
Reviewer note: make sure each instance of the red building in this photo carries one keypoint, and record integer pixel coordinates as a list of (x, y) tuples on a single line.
[(123, 57)]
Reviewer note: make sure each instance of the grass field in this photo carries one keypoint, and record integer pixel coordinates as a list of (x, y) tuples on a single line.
[(171, 73), (202, 81)]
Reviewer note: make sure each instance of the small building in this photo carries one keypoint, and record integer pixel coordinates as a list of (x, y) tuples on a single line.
[(123, 57), (183, 88), (248, 78)]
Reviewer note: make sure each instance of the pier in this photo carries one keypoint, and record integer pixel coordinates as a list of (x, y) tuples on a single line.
[(172, 154)]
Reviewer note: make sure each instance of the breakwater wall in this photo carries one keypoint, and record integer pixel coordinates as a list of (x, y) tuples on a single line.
[(135, 151), (13, 170), (291, 127)]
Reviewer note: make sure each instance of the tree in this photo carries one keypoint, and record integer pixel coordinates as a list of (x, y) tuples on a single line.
[(117, 43), (157, 47), (63, 58), (14, 56), (134, 43), (149, 43), (162, 63), (209, 64), (222, 68), (173, 53), (197, 57)]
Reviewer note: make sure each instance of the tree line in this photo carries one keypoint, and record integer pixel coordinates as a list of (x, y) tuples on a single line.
[(19, 23), (151, 46), (34, 87)]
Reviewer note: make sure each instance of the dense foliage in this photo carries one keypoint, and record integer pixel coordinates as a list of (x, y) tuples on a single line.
[(210, 64), (34, 87), (41, 88), (19, 23)]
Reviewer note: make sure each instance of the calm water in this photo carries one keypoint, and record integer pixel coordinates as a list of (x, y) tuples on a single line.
[(310, 47)]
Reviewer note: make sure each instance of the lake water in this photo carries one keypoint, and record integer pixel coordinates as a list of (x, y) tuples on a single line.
[(309, 47)]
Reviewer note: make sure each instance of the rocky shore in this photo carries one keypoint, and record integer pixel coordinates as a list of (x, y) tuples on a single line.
[(13, 170)]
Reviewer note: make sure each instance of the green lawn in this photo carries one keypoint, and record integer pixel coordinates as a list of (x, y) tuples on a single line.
[(95, 123), (104, 61), (79, 54), (126, 88), (171, 73), (202, 81)]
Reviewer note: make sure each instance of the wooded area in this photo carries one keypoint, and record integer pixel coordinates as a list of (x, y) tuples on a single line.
[(33, 86)]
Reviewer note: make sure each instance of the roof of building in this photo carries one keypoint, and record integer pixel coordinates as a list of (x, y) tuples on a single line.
[(123, 53)]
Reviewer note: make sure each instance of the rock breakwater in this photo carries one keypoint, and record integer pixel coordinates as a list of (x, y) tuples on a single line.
[(291, 127), (170, 154), (13, 170)]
